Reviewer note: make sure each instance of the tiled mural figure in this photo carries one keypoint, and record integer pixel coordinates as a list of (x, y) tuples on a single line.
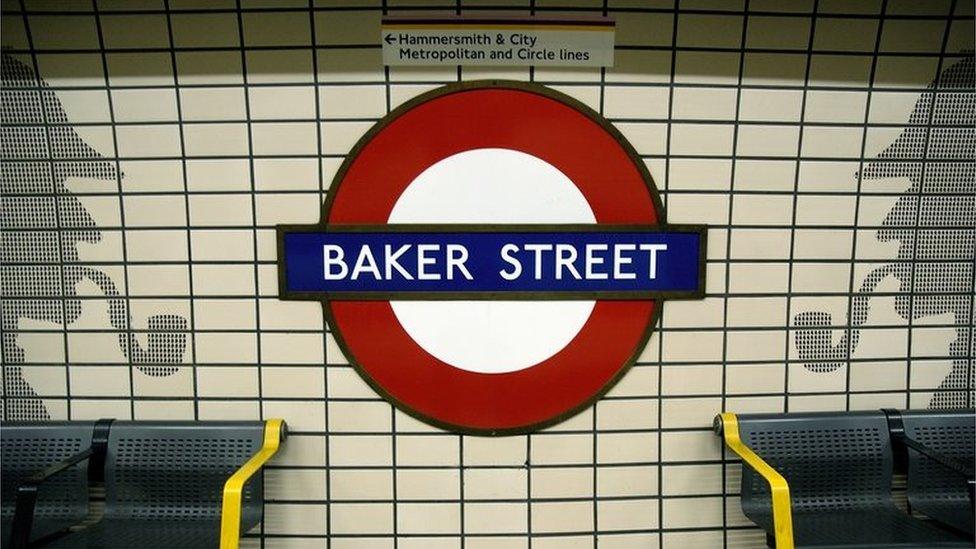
[(42, 224), (933, 222)]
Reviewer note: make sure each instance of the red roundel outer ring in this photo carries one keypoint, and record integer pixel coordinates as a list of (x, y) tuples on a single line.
[(492, 114)]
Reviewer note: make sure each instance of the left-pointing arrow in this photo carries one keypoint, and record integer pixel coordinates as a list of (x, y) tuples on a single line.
[(389, 38)]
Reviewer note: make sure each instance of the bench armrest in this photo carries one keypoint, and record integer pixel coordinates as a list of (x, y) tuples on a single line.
[(948, 462), (230, 512), (727, 425)]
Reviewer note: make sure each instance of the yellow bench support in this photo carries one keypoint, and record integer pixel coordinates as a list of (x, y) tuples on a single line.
[(230, 512), (780, 490)]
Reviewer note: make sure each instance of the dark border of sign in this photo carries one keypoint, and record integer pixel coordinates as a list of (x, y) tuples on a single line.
[(468, 86), (542, 295), (542, 22)]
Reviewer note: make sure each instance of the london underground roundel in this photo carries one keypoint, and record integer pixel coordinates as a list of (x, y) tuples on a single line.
[(492, 257)]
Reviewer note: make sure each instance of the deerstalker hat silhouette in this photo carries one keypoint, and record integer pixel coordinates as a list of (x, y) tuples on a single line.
[(27, 113), (947, 134)]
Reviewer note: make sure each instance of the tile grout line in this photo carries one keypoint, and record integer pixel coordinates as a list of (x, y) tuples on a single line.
[(727, 273), (796, 185), (857, 206), (255, 250), (129, 341), (186, 204), (326, 330)]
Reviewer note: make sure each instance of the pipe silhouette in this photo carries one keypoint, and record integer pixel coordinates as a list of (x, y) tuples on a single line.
[(813, 333), (166, 338)]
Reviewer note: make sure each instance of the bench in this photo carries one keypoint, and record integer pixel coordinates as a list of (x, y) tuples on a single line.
[(166, 484), (824, 480), (45, 476), (939, 448)]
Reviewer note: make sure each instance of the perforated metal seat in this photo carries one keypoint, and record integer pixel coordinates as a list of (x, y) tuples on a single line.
[(933, 489), (164, 484), (27, 448), (839, 469)]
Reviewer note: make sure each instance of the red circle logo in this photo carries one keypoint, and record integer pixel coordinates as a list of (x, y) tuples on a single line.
[(469, 131)]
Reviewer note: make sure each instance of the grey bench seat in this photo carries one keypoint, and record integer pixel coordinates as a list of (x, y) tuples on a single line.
[(172, 485), (940, 477), (838, 467), (28, 448)]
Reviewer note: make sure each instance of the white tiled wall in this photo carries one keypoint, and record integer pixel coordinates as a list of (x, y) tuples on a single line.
[(754, 117)]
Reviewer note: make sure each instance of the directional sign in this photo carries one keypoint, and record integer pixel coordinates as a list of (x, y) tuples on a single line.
[(492, 257), (498, 41)]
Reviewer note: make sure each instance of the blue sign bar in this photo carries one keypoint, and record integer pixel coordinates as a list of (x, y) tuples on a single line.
[(399, 262)]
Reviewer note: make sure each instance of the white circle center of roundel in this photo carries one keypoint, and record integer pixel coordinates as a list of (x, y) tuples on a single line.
[(492, 186)]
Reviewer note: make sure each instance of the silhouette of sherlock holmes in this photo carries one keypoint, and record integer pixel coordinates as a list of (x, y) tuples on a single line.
[(41, 224), (933, 222)]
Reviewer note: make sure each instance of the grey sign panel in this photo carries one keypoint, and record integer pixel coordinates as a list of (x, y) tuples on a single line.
[(511, 42)]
